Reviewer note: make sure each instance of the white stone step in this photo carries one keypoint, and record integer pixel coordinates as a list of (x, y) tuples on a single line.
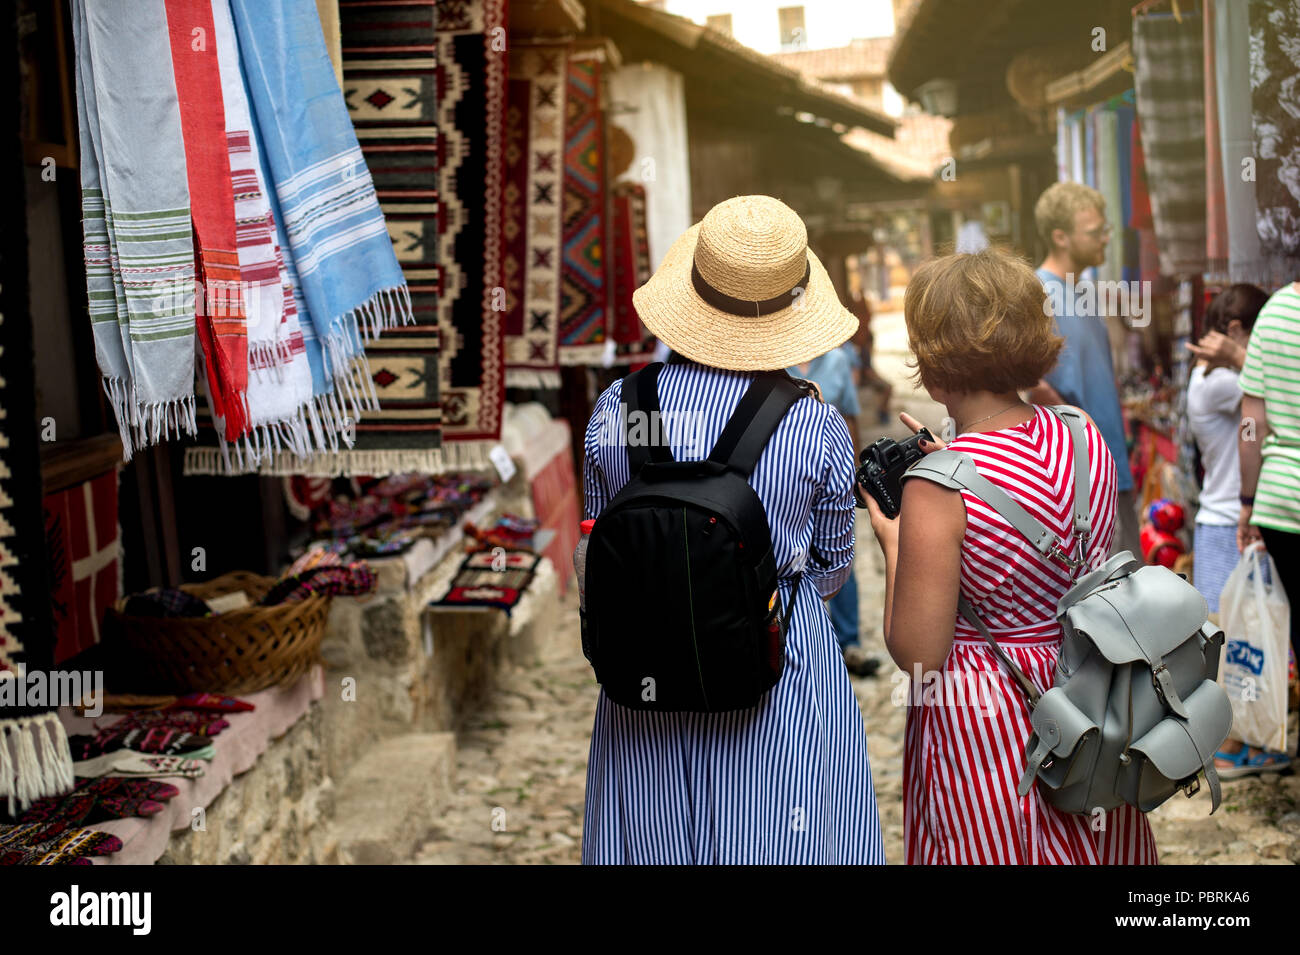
[(392, 797)]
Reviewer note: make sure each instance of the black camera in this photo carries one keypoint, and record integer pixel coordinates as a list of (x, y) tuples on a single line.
[(882, 465)]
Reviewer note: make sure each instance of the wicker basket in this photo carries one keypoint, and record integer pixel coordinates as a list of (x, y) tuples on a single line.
[(235, 652)]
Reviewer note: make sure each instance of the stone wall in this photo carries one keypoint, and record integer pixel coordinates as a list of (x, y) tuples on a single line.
[(398, 684), (409, 675), (277, 812)]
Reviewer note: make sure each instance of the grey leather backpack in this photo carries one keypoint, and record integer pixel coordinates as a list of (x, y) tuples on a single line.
[(1134, 713)]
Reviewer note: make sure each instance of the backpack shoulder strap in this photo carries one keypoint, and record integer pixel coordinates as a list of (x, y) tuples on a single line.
[(760, 410), (1074, 421), (955, 470), (1017, 674), (640, 394)]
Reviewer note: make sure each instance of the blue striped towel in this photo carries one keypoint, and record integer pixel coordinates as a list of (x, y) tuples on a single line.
[(346, 269)]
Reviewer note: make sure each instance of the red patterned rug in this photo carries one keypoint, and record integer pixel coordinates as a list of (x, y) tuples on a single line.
[(491, 578), (583, 293), (472, 62), (630, 253)]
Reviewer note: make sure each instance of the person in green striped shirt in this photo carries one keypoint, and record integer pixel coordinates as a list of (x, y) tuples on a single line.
[(1269, 442)]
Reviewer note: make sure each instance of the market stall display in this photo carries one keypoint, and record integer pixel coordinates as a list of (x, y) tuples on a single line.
[(35, 844), (159, 281), (494, 579), (238, 651)]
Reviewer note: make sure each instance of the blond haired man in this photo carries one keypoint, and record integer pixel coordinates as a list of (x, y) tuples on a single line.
[(1071, 218)]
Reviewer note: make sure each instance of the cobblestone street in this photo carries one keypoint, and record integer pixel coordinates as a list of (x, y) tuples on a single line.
[(520, 773)]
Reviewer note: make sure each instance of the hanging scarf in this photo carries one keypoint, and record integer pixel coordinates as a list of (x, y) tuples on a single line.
[(1127, 130), (1169, 82), (279, 378), (137, 236), (221, 323), (255, 231), (1108, 184), (1216, 213), (1062, 145), (338, 241), (1237, 140)]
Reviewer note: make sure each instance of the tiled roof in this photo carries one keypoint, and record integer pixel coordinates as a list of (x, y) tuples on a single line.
[(861, 58), (920, 145)]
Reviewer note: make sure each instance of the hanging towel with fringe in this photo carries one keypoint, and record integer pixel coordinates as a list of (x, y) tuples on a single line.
[(280, 403), (221, 323), (138, 242), (337, 239)]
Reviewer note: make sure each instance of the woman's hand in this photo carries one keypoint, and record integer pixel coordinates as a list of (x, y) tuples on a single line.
[(885, 528), (1218, 349), (926, 446)]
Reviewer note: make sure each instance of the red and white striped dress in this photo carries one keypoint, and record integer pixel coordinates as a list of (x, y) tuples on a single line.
[(965, 745)]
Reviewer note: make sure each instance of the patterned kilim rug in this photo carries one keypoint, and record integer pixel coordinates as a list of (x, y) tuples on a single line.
[(514, 222), (583, 294), (534, 188), (390, 86), (34, 756), (630, 251), (472, 63), (491, 578)]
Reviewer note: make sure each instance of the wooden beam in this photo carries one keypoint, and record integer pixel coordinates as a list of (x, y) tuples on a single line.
[(546, 18), (1109, 75), (65, 464)]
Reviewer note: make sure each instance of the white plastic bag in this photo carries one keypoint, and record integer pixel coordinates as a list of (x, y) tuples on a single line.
[(1256, 621)]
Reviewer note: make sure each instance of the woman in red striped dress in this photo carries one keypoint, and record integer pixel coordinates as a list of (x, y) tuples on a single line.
[(980, 330)]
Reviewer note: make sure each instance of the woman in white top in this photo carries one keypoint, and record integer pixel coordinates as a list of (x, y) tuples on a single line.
[(1214, 414)]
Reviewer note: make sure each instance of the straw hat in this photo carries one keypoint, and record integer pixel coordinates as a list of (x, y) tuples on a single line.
[(741, 290)]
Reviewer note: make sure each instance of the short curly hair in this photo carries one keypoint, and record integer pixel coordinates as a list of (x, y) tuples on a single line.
[(1060, 203), (979, 322)]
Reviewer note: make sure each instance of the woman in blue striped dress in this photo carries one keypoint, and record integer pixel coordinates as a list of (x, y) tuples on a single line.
[(788, 780)]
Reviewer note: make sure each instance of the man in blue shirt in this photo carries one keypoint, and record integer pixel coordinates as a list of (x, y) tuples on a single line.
[(833, 374), (1072, 221)]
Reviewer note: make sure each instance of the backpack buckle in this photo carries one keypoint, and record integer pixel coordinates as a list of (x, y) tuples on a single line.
[(1155, 681), (1079, 545), (1060, 554)]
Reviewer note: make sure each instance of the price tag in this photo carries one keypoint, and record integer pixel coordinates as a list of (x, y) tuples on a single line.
[(505, 466)]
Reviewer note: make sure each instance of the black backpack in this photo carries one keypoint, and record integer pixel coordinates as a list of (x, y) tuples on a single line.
[(682, 609)]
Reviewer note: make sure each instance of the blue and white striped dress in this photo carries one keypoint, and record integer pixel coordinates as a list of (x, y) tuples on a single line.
[(787, 781)]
